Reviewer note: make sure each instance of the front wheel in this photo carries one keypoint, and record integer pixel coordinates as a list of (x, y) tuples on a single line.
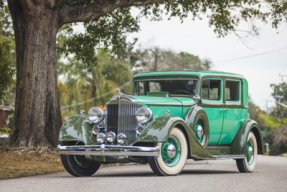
[(79, 166), (247, 165), (173, 155)]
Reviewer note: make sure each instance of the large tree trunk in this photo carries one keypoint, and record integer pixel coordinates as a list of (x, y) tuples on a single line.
[(37, 117)]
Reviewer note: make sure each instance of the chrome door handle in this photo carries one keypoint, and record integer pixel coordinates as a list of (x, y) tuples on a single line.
[(224, 109)]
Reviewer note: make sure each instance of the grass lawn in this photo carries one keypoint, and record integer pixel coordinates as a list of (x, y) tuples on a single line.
[(17, 162)]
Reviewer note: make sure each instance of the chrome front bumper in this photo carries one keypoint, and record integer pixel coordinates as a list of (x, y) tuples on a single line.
[(108, 150)]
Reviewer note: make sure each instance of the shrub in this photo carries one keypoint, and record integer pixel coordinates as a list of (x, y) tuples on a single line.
[(277, 139)]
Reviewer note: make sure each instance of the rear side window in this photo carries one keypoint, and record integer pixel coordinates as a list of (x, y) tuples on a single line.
[(232, 91), (211, 89)]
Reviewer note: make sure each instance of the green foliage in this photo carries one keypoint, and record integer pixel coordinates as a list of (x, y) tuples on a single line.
[(107, 31), (277, 140), (265, 121), (156, 59), (280, 90), (224, 17), (82, 83), (3, 130), (1, 3), (7, 58), (6, 23), (6, 69), (278, 12)]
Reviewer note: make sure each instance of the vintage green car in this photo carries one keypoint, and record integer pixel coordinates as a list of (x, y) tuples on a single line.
[(169, 117)]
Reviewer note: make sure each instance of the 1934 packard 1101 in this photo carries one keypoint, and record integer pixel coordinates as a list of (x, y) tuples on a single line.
[(169, 117)]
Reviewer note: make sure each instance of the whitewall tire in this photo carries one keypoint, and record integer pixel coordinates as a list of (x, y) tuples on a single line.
[(173, 155), (247, 165)]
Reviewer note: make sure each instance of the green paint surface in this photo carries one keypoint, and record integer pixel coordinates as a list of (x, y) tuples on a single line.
[(233, 119), (163, 101), (159, 130), (194, 73), (77, 128), (215, 118)]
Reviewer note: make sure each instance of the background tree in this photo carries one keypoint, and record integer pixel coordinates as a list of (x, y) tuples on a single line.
[(156, 59), (7, 58), (36, 23), (97, 81), (280, 95)]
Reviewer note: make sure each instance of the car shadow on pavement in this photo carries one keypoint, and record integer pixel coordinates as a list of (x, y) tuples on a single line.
[(134, 174), (202, 172), (151, 174)]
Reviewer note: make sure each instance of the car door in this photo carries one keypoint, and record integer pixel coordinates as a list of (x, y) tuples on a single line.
[(234, 111), (212, 103)]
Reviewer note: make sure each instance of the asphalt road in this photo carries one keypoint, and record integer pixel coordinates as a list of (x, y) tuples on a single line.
[(270, 175)]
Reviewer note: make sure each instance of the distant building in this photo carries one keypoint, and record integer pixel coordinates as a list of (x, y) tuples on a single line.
[(4, 112)]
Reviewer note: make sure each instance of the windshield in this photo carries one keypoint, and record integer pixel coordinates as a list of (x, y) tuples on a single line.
[(174, 87)]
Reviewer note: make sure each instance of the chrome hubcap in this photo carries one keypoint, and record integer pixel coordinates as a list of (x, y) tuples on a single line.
[(250, 151), (171, 150), (199, 131)]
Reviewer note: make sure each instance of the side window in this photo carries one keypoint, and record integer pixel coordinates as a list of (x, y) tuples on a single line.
[(232, 91), (138, 88), (211, 89)]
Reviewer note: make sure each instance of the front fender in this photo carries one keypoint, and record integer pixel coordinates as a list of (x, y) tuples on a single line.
[(77, 128), (238, 145), (159, 129)]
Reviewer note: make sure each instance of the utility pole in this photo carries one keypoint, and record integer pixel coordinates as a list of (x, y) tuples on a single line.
[(282, 76), (267, 105)]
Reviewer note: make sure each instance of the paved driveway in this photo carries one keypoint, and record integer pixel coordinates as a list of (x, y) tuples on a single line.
[(270, 175)]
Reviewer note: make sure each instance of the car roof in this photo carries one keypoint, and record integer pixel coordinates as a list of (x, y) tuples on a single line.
[(189, 72)]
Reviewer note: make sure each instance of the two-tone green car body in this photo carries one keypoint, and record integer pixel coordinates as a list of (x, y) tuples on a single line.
[(168, 117)]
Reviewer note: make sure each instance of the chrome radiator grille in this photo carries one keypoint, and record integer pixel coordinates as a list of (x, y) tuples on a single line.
[(121, 118)]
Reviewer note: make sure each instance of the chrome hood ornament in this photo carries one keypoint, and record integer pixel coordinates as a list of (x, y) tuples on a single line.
[(119, 90)]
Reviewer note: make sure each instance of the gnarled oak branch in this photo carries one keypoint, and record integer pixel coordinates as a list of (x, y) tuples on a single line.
[(98, 8)]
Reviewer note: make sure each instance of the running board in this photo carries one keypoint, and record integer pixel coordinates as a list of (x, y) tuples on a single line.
[(222, 157)]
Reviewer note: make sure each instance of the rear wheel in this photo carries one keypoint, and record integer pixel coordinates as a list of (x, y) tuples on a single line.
[(173, 155), (247, 165)]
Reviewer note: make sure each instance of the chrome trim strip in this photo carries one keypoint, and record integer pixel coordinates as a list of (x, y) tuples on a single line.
[(222, 157), (108, 150)]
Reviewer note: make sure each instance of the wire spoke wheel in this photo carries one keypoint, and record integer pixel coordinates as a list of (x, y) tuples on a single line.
[(173, 155), (171, 151), (247, 165)]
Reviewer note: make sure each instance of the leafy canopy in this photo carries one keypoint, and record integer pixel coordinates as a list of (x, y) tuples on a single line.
[(224, 17)]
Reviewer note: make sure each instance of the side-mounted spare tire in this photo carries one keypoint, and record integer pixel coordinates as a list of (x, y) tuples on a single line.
[(197, 120)]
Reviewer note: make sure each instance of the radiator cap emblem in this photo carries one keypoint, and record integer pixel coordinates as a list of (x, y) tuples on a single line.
[(119, 90)]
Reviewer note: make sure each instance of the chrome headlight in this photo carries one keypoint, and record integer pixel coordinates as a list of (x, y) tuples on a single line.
[(121, 138), (111, 136), (101, 137), (143, 115), (96, 115)]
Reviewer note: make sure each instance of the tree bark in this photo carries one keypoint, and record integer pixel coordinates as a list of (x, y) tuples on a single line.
[(37, 117)]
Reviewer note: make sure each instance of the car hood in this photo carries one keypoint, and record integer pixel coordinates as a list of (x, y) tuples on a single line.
[(176, 101)]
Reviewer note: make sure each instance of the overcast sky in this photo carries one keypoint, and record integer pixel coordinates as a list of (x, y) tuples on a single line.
[(197, 38)]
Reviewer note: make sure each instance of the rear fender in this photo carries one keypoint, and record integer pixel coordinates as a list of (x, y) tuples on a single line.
[(159, 130), (238, 145)]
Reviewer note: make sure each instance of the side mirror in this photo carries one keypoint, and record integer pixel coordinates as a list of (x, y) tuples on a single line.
[(196, 98)]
